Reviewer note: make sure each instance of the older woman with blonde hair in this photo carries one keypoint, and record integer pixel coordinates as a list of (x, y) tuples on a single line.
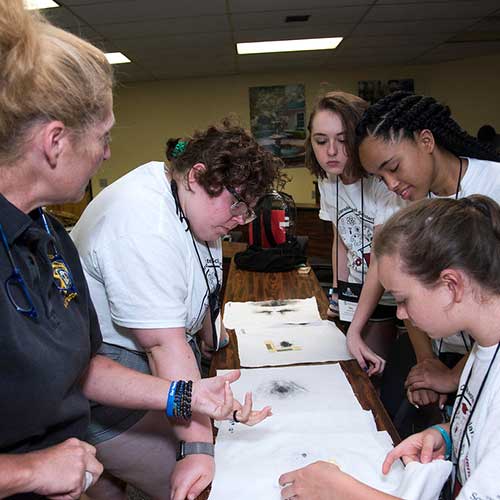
[(55, 120)]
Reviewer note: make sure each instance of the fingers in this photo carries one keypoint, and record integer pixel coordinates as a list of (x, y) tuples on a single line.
[(286, 478), (258, 416), (246, 408), (442, 400), (427, 448), (197, 488), (391, 457), (409, 395), (226, 410), (376, 364), (232, 376)]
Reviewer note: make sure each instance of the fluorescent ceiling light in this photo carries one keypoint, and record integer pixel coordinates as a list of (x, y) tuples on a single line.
[(40, 4), (288, 45), (117, 58)]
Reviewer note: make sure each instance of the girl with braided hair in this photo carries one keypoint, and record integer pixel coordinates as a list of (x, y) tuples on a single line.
[(441, 260), (414, 146)]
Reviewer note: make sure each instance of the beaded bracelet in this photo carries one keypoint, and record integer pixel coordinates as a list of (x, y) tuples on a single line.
[(179, 399)]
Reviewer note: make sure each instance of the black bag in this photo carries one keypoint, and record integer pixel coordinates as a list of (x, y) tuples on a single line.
[(274, 248)]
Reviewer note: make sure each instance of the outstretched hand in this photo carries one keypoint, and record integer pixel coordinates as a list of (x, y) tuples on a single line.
[(214, 398)]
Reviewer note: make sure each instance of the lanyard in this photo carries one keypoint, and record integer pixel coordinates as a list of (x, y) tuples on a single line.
[(456, 462), (468, 346), (362, 230), (213, 297)]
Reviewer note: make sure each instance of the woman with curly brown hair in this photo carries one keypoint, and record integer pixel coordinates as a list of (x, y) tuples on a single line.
[(151, 251), (55, 120)]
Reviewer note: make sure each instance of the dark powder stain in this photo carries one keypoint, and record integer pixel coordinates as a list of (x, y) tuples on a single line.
[(285, 388), (264, 312), (304, 455), (284, 311), (285, 343), (274, 303)]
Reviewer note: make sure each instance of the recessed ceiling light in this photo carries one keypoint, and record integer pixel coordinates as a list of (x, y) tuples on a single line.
[(287, 45), (40, 4), (117, 58)]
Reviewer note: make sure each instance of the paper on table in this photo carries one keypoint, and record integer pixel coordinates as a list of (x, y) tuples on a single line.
[(240, 461), (321, 341), (317, 422), (270, 312), (296, 388)]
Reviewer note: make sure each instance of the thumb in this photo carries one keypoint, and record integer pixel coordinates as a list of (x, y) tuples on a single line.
[(196, 488), (427, 448), (232, 376)]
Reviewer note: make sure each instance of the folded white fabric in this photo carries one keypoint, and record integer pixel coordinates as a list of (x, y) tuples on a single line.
[(423, 481), (270, 312), (248, 467)]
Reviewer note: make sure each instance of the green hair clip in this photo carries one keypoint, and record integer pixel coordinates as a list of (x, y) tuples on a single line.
[(179, 149)]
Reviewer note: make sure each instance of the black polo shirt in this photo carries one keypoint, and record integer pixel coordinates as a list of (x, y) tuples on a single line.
[(42, 360)]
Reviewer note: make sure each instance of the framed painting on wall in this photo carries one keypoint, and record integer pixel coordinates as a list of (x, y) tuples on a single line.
[(277, 118)]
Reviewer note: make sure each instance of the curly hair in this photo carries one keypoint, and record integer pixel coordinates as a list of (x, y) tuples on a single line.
[(401, 114), (432, 235), (350, 108), (232, 157)]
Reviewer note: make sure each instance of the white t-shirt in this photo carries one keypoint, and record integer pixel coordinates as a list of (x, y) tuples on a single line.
[(480, 456), (481, 177), (378, 205), (139, 260)]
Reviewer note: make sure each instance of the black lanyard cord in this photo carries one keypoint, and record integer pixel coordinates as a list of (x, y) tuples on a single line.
[(182, 217), (456, 462), (362, 231)]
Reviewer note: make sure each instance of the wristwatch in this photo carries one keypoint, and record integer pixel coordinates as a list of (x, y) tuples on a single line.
[(195, 448)]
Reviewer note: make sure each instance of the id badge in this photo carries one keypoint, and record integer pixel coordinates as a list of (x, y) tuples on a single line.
[(348, 294)]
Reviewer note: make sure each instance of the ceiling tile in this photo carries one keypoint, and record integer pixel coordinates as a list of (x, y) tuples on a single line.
[(427, 10)]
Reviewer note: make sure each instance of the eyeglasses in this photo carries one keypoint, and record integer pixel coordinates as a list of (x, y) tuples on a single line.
[(15, 286), (240, 207), (61, 272)]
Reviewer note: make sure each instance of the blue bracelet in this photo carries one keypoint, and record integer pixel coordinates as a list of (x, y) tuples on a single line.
[(169, 410), (447, 440)]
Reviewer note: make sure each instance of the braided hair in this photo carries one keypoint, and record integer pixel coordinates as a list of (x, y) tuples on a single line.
[(401, 114)]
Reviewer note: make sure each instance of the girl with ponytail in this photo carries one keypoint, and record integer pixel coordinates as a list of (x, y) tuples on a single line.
[(440, 258)]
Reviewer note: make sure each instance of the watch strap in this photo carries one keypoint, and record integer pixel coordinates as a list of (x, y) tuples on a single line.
[(194, 448)]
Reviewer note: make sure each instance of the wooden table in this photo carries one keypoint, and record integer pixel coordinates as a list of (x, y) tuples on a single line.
[(246, 285)]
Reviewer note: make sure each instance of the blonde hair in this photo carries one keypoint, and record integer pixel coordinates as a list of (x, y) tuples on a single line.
[(46, 74)]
